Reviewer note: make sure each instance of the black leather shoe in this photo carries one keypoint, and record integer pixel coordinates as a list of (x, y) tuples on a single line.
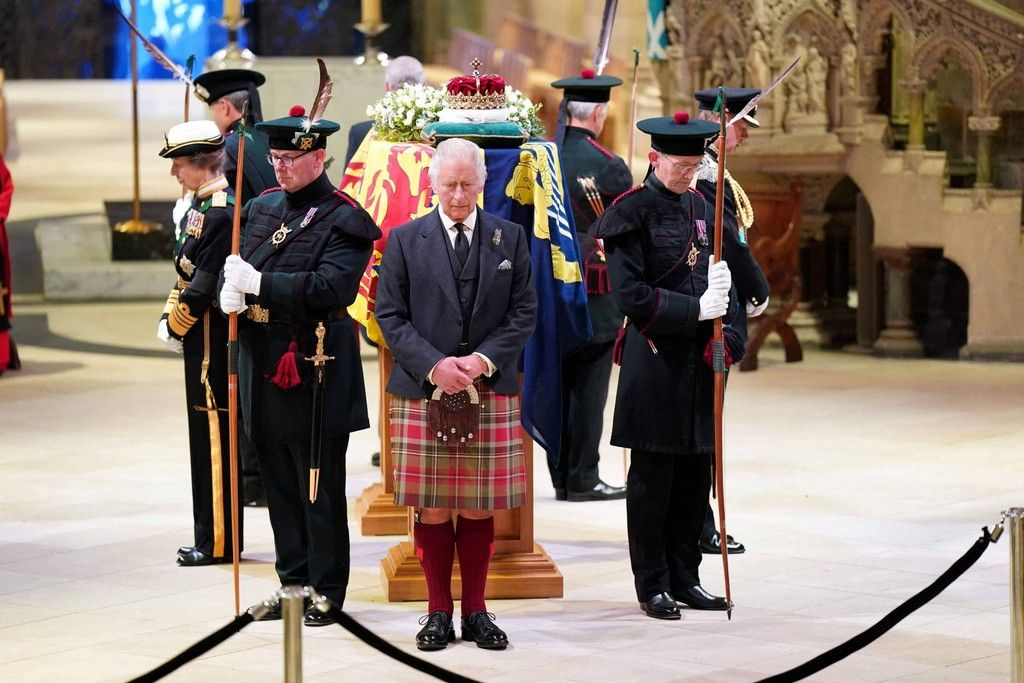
[(185, 549), (273, 612), (314, 617), (437, 632), (479, 628), (375, 459), (695, 597), (661, 606), (197, 558), (712, 545), (560, 494), (601, 491)]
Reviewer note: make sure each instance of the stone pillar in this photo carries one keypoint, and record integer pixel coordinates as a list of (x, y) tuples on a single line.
[(867, 268), (984, 128), (806, 320), (869, 66), (898, 338), (914, 88)]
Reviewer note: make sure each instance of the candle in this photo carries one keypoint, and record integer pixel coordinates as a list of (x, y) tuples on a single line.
[(232, 9), (371, 12)]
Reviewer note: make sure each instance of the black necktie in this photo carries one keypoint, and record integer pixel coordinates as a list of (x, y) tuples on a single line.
[(461, 244)]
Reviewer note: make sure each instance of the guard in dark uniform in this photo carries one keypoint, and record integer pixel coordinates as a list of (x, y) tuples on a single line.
[(226, 92), (304, 248), (594, 177), (749, 283), (658, 239), (192, 325)]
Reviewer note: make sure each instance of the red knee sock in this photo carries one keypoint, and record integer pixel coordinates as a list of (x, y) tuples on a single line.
[(474, 540), (435, 548)]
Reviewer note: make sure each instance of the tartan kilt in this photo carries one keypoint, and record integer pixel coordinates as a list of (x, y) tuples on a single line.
[(487, 474)]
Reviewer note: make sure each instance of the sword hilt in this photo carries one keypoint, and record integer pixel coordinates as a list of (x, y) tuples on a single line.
[(319, 359)]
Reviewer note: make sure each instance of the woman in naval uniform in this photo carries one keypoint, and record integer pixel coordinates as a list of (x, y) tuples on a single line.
[(191, 325)]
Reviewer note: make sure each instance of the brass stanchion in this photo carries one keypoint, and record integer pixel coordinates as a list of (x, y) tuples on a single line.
[(1015, 520), (293, 600)]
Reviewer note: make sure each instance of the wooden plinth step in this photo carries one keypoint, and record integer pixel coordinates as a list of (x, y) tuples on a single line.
[(379, 516), (511, 575)]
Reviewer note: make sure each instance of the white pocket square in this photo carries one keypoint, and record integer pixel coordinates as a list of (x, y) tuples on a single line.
[(505, 265)]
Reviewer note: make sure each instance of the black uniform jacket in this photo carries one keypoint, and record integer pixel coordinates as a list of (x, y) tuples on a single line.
[(310, 277), (747, 276), (664, 399), (583, 157), (199, 254), (258, 174), (418, 308)]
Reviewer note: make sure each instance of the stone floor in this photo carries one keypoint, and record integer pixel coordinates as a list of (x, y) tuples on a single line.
[(853, 481)]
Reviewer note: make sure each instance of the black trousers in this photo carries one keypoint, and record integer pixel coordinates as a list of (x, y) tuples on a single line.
[(585, 375), (211, 474), (252, 482), (666, 500), (311, 539)]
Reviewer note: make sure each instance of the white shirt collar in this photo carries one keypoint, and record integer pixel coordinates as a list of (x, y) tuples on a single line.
[(449, 224)]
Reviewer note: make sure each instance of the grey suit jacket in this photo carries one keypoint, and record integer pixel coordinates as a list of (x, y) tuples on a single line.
[(418, 311)]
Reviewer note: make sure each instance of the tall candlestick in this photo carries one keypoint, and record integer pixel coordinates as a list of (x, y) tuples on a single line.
[(232, 9), (371, 12)]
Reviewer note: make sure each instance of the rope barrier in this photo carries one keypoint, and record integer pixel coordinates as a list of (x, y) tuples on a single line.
[(199, 649), (376, 642), (889, 620), (806, 669)]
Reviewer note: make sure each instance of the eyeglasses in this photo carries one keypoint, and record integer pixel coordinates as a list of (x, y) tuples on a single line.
[(680, 166), (287, 162)]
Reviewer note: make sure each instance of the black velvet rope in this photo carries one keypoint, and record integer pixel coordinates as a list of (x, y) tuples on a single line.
[(199, 649), (383, 646), (889, 620)]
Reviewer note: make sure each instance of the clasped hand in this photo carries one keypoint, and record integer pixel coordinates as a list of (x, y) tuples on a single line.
[(455, 374)]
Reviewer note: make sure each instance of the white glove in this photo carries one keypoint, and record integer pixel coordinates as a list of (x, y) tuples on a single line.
[(719, 277), (241, 276), (164, 335), (231, 300), (754, 311), (713, 304), (178, 212)]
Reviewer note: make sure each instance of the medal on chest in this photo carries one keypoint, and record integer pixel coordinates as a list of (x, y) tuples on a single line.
[(702, 231), (194, 226), (309, 217)]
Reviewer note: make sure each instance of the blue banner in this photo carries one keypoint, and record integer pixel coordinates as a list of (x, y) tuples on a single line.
[(525, 185)]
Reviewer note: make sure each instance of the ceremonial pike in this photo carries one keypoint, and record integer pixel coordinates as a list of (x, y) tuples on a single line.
[(718, 352), (605, 37)]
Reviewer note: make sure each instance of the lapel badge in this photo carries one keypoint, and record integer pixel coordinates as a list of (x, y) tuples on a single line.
[(309, 217), (496, 237), (279, 235)]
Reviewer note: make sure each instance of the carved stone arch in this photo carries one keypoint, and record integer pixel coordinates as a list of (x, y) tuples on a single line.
[(874, 24), (1006, 94), (827, 28), (928, 59), (708, 31)]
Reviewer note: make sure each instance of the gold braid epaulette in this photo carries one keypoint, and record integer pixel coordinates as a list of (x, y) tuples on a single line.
[(744, 211)]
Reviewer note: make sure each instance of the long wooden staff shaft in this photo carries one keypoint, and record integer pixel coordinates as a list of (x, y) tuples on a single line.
[(136, 201), (718, 342), (233, 364), (185, 113)]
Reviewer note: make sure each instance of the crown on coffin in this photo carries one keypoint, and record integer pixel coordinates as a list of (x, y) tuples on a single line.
[(476, 91)]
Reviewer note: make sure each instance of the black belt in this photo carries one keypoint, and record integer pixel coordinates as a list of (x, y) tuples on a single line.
[(261, 315)]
